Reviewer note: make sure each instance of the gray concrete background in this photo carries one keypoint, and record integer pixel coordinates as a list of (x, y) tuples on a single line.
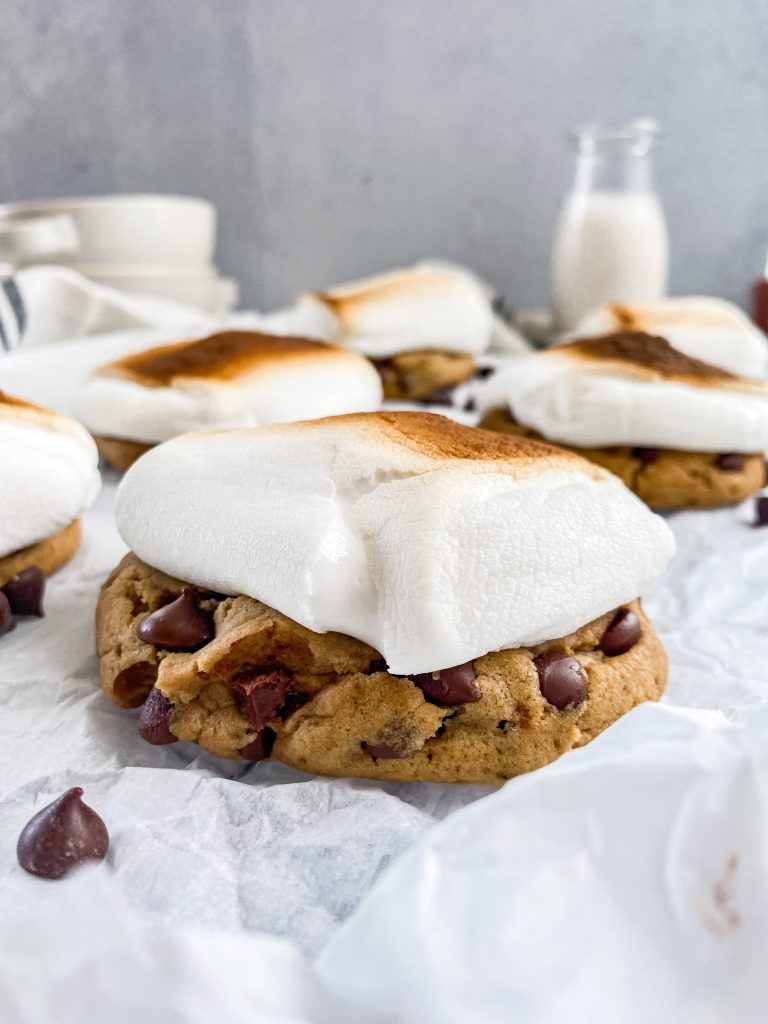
[(343, 136)]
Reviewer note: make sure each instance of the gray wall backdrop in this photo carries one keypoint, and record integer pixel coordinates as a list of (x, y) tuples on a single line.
[(342, 136)]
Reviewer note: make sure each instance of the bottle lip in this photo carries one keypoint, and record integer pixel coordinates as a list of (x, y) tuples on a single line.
[(640, 133)]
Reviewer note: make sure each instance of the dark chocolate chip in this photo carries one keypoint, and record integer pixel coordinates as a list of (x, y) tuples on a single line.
[(385, 751), (470, 405), (646, 455), (7, 621), (154, 719), (483, 372), (179, 626), (622, 633), (761, 512), (262, 695), (62, 836), (730, 462), (561, 679), (25, 592), (260, 748), (378, 665), (455, 685)]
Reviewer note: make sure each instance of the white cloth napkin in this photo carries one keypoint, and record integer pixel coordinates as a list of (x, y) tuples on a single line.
[(44, 304)]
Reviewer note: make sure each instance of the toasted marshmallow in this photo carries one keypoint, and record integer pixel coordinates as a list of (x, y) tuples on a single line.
[(428, 306), (232, 379), (48, 473), (632, 389), (710, 329), (431, 541)]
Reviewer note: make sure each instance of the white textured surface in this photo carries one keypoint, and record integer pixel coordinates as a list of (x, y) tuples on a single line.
[(300, 388), (712, 330), (48, 475), (584, 404), (596, 884), (432, 561)]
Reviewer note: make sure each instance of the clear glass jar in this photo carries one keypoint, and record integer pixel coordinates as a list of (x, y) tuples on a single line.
[(611, 241)]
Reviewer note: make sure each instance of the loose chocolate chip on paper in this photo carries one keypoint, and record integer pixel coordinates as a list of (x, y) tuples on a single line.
[(62, 836), (622, 633), (154, 719), (645, 455), (25, 591), (260, 748), (7, 621), (761, 511), (178, 626), (457, 685), (730, 462), (561, 679)]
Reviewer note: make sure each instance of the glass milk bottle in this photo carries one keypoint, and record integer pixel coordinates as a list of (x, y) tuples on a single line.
[(610, 243)]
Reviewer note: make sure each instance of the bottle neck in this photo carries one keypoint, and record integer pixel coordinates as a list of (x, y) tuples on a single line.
[(602, 169)]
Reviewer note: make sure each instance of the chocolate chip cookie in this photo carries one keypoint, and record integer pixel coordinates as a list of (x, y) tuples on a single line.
[(244, 681), (48, 554), (420, 374), (663, 478)]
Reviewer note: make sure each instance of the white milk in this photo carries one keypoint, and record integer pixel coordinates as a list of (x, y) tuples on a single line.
[(608, 247)]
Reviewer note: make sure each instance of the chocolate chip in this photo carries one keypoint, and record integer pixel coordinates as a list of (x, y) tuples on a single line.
[(470, 405), (386, 752), (262, 695), (622, 633), (64, 835), (25, 591), (7, 621), (730, 462), (178, 626), (561, 679), (483, 372), (260, 748), (761, 512), (378, 665), (154, 719), (646, 455), (455, 685)]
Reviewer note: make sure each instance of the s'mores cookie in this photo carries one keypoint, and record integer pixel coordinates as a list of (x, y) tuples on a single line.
[(679, 432), (48, 477), (698, 326), (231, 379), (422, 326), (392, 596)]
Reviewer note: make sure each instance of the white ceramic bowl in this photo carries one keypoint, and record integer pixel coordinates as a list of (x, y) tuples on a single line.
[(132, 229), (212, 294)]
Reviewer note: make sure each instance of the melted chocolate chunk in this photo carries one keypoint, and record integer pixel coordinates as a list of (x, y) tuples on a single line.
[(262, 695), (7, 621), (622, 633), (646, 455), (761, 511), (260, 748), (154, 719), (178, 626), (561, 679), (448, 686), (62, 836), (25, 592), (730, 462)]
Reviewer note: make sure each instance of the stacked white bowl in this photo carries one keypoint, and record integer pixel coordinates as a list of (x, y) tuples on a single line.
[(158, 245)]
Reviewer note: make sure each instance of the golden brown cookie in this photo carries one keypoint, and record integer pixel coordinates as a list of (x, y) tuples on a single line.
[(663, 477), (119, 453), (325, 702), (417, 375), (48, 554)]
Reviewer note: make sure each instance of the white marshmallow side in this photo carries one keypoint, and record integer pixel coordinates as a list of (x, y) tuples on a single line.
[(432, 565), (592, 407), (48, 478), (302, 388), (424, 307), (712, 330)]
